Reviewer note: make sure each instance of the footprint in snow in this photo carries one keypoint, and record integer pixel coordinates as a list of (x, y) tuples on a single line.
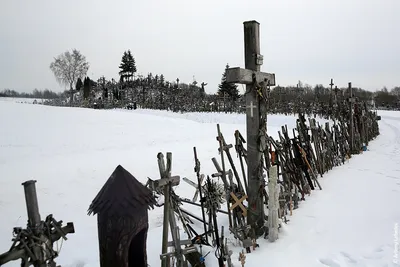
[(348, 257), (329, 262), (373, 257)]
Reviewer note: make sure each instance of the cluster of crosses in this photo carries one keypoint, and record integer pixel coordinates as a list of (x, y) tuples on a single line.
[(254, 208)]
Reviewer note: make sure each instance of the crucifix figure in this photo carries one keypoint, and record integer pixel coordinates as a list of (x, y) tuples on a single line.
[(252, 77)]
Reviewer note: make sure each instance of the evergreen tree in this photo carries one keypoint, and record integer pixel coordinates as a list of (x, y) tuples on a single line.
[(229, 89), (127, 66), (149, 78), (79, 84), (86, 88), (162, 79), (122, 66)]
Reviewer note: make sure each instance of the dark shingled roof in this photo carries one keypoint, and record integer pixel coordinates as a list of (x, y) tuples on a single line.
[(122, 195)]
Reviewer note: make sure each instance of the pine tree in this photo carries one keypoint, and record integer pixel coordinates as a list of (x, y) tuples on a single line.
[(79, 84), (162, 79), (86, 88), (127, 66), (230, 89), (123, 66), (131, 64)]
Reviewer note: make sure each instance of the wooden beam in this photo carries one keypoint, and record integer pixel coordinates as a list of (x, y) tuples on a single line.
[(255, 178), (245, 76)]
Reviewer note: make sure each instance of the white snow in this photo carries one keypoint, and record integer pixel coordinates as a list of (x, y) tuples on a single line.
[(71, 152)]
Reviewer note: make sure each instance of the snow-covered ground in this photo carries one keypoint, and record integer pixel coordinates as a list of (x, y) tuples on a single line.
[(71, 152), (21, 100)]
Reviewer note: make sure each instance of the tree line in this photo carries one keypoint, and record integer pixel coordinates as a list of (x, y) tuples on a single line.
[(154, 91), (45, 94)]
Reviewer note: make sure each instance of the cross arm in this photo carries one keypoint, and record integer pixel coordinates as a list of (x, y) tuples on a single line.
[(245, 76), (174, 180)]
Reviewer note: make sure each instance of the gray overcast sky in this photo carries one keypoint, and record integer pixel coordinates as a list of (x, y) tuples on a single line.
[(307, 40)]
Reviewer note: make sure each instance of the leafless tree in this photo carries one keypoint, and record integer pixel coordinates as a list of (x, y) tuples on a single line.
[(68, 67)]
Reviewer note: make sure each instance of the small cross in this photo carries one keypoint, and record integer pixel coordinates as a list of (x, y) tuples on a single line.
[(251, 107), (331, 84), (238, 202)]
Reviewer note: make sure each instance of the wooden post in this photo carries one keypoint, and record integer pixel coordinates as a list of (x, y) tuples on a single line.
[(251, 76), (273, 204), (165, 173), (32, 204)]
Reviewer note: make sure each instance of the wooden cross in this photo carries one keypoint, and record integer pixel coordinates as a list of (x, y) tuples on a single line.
[(166, 182), (251, 76), (196, 194), (239, 202), (178, 252)]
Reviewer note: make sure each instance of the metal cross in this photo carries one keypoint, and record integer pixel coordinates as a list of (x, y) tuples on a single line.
[(252, 107)]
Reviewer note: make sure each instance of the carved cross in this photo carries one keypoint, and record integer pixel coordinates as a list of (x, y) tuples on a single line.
[(252, 107)]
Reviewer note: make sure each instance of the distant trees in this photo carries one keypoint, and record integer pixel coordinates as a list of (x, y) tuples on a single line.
[(45, 94), (385, 99), (154, 91), (68, 67), (229, 89), (127, 66)]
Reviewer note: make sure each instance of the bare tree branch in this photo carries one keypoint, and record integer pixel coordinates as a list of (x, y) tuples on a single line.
[(68, 67)]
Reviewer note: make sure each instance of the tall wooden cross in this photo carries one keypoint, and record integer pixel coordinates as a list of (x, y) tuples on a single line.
[(331, 84), (166, 182), (248, 76)]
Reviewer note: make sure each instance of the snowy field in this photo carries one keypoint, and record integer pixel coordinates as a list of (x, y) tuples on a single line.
[(71, 152), (21, 100)]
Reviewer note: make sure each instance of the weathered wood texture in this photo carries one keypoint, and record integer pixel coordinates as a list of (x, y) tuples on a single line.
[(245, 76), (122, 209), (255, 178)]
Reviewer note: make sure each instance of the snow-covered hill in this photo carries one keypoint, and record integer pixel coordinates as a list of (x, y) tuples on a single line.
[(71, 152)]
